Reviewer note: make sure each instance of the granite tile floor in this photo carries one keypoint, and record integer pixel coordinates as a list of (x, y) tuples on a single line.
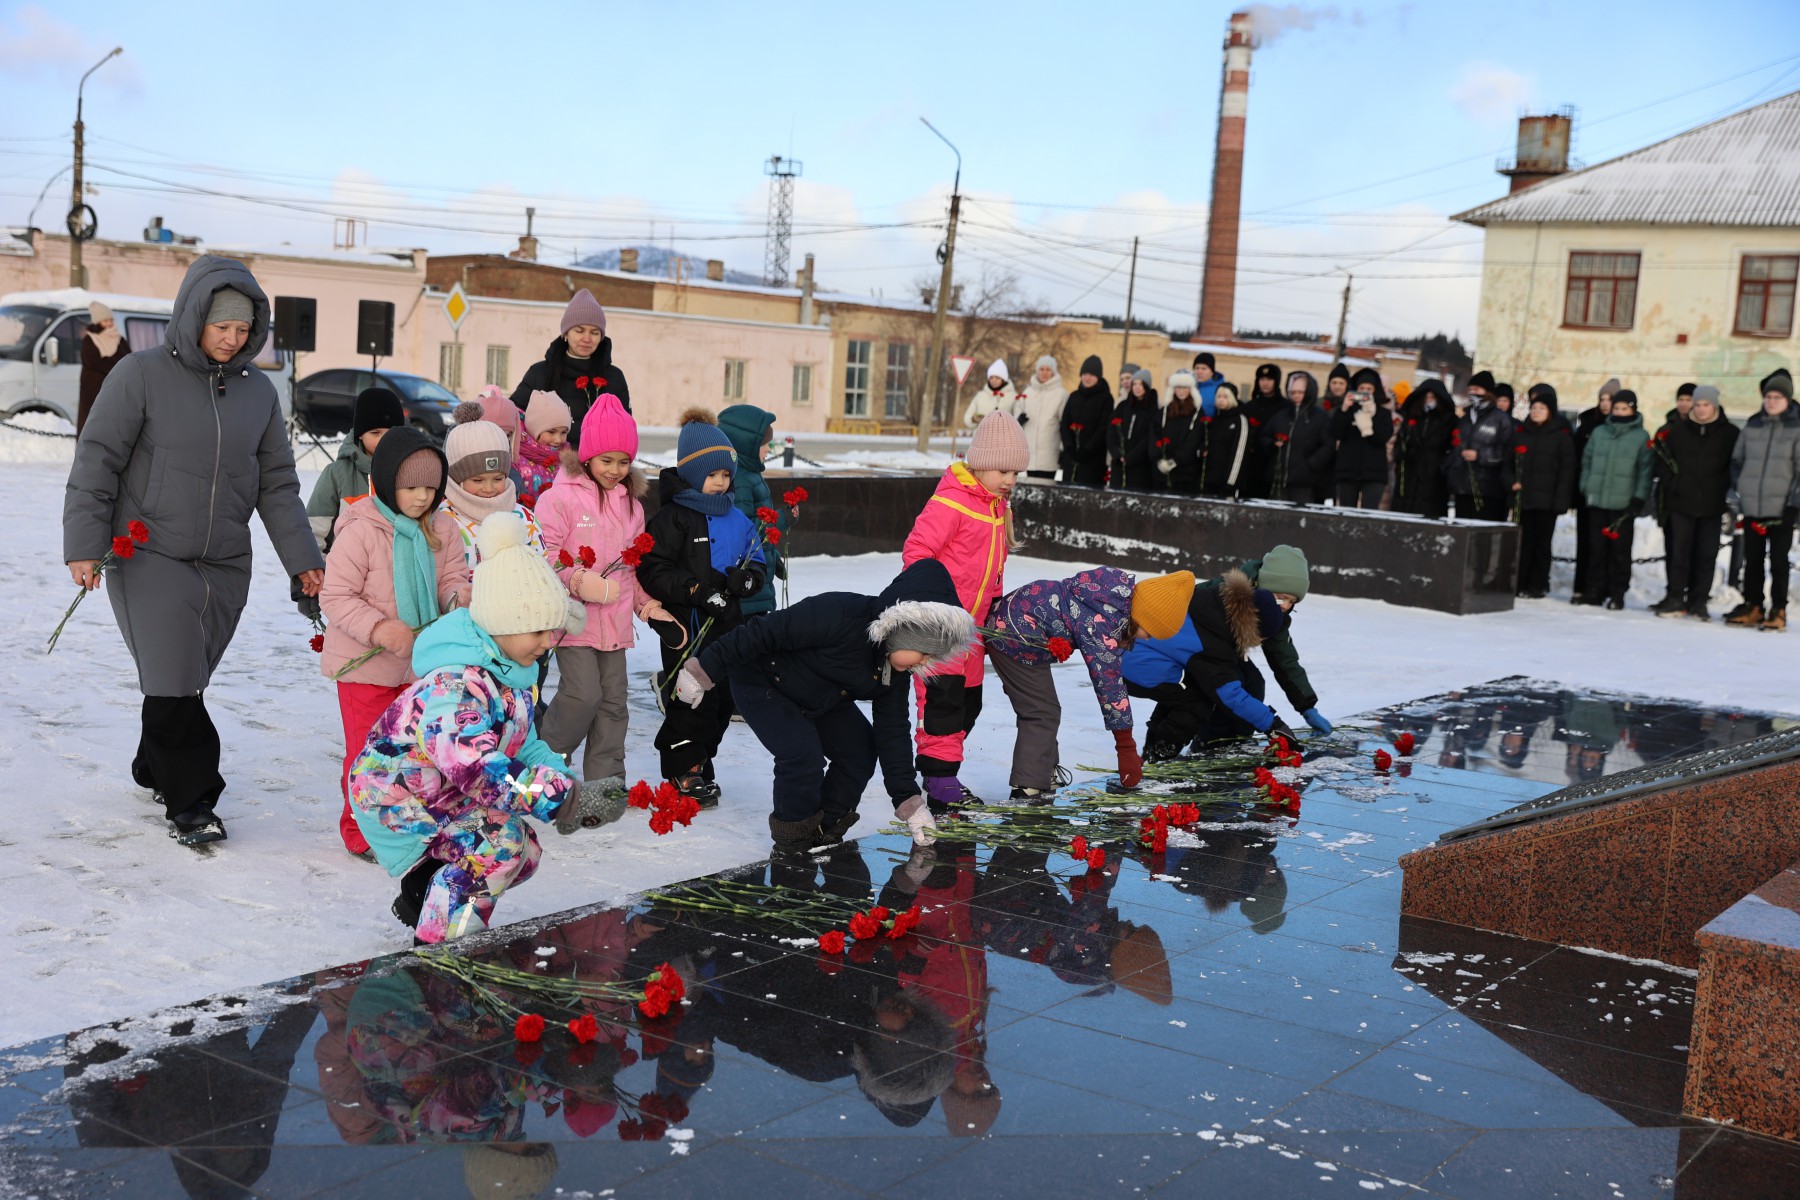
[(1247, 1009)]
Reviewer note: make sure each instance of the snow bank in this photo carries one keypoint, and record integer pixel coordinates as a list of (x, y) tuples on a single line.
[(37, 438)]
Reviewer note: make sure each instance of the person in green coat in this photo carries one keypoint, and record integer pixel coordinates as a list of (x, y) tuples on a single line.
[(751, 430), (1615, 482), (377, 410)]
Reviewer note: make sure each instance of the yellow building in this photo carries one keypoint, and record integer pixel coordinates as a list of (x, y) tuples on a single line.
[(1673, 263)]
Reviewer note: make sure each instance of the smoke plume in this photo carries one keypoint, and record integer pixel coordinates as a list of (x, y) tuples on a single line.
[(1269, 22)]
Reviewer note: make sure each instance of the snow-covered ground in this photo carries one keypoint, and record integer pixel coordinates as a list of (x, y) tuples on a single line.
[(107, 917)]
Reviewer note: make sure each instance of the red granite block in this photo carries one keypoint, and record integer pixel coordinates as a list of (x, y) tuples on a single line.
[(1730, 835), (1604, 886), (1487, 885), (1744, 1054)]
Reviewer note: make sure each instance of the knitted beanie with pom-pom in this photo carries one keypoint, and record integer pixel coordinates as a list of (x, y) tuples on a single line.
[(515, 589), (475, 444)]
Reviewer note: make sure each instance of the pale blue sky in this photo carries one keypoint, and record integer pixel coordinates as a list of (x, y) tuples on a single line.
[(1080, 126)]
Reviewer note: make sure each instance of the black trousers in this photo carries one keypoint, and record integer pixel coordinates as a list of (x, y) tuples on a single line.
[(822, 763), (1185, 714), (690, 737), (1297, 493), (1488, 506), (1693, 544), (1776, 543), (178, 754), (951, 707), (1609, 559), (1360, 495), (1040, 474), (1536, 528), (1583, 553)]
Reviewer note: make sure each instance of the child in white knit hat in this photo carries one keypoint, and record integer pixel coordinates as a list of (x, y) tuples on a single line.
[(481, 479), (452, 769)]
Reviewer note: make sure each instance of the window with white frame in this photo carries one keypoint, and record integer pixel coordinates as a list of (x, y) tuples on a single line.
[(856, 378), (802, 384), (499, 360), (734, 379), (450, 365)]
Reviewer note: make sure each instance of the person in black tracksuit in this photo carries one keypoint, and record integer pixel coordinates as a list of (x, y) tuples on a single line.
[(578, 380), (707, 559), (1131, 437), (1361, 428), (1298, 442), (1422, 440), (1700, 448), (1085, 427), (1543, 485), (1259, 408), (798, 674)]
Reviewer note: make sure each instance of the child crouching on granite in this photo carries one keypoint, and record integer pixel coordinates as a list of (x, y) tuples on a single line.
[(452, 769)]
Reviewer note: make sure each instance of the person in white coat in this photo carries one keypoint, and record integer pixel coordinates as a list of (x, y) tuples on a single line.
[(997, 396), (1039, 409)]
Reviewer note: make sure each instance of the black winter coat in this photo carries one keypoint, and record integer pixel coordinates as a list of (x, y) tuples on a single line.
[(1702, 474), (1084, 449), (1259, 466), (678, 570), (1362, 459), (557, 372), (1421, 441), (1183, 436), (818, 654), (1226, 440), (1548, 470), (1298, 440), (1488, 432), (1130, 442)]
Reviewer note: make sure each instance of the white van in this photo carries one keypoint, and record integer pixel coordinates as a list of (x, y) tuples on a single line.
[(40, 347)]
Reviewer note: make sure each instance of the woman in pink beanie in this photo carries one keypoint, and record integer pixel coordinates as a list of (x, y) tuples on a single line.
[(967, 526), (578, 366), (594, 512)]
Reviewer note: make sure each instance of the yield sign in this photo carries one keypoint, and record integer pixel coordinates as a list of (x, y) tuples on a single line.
[(960, 363), (457, 306)]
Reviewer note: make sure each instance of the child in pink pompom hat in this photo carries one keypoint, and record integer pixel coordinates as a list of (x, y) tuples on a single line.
[(546, 432), (497, 408)]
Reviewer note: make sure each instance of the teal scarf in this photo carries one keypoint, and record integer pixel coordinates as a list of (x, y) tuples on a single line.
[(415, 570)]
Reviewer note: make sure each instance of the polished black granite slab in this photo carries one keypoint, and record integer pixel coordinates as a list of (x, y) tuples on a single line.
[(1246, 1009)]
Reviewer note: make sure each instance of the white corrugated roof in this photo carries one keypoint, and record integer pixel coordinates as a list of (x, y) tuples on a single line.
[(1739, 170)]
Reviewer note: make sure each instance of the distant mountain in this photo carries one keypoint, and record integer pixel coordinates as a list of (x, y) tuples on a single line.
[(660, 260)]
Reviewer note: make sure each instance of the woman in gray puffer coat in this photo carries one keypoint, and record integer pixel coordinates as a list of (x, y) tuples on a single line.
[(144, 455)]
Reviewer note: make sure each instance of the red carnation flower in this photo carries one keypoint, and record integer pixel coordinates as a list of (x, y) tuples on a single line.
[(581, 381), (564, 559), (1118, 420), (588, 557), (1078, 847), (528, 1028), (767, 516), (640, 795), (1519, 449), (1077, 426), (1383, 760), (1759, 529), (123, 547), (832, 943), (794, 497), (863, 927), (772, 536), (1405, 743), (1611, 535), (317, 642), (583, 1028), (1060, 649), (138, 531), (1456, 437), (1096, 859)]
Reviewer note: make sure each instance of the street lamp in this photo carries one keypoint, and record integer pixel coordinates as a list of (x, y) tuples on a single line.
[(935, 368), (82, 222)]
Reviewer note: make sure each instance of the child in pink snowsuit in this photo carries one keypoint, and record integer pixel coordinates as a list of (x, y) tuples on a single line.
[(547, 422), (966, 526)]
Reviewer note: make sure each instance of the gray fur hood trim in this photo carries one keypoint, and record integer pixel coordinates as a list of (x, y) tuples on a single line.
[(942, 632)]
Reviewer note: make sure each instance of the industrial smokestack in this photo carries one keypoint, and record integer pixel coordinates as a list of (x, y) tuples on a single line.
[(1218, 287)]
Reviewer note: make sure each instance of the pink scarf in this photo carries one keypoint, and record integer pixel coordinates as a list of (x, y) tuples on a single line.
[(474, 509)]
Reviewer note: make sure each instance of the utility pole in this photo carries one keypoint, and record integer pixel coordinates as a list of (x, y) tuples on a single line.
[(79, 228), (935, 368), (1343, 320), (1130, 292)]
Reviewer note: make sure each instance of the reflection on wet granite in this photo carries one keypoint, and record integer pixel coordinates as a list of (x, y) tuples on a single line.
[(1246, 1007)]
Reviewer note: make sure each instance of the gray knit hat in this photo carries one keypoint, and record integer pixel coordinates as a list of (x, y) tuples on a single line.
[(229, 304), (1706, 393)]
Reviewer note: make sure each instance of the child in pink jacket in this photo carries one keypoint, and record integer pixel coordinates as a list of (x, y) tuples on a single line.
[(395, 565), (967, 526), (547, 421), (596, 506)]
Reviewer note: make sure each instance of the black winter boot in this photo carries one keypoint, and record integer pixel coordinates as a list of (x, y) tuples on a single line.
[(413, 886), (794, 838), (832, 831)]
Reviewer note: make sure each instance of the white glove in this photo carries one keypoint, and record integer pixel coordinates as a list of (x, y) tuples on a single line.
[(1166, 465), (1364, 420), (688, 688), (917, 815)]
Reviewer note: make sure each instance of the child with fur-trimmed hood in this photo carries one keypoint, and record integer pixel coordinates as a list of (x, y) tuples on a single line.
[(797, 676)]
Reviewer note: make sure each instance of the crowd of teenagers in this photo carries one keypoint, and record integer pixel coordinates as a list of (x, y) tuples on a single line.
[(1482, 455), (444, 578)]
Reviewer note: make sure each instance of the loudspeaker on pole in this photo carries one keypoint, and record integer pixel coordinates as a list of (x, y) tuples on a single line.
[(375, 327), (296, 323)]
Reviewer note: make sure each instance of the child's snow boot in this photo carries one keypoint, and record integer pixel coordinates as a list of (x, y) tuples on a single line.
[(1025, 795), (413, 886), (196, 827), (700, 789), (794, 839)]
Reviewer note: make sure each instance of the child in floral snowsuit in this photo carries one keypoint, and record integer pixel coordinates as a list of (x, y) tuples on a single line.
[(1096, 612), (452, 768)]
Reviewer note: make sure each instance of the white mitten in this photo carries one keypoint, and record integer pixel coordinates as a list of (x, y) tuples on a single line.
[(917, 815)]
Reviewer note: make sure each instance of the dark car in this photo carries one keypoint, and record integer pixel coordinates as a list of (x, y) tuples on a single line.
[(323, 400)]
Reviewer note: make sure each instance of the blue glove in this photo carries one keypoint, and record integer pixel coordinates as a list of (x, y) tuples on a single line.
[(1317, 720)]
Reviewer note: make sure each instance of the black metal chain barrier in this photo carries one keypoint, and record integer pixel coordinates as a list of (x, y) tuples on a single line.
[(49, 433)]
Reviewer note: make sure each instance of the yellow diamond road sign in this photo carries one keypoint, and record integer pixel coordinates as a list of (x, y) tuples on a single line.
[(457, 306)]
